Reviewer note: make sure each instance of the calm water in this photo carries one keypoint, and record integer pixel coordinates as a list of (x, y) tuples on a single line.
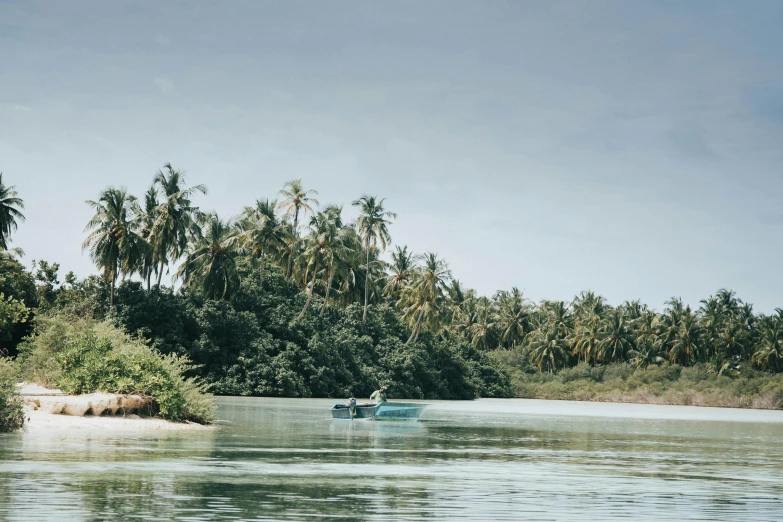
[(274, 459)]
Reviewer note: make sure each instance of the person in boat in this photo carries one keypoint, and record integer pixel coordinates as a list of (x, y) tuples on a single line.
[(378, 396)]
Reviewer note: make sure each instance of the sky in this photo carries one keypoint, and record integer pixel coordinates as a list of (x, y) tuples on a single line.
[(631, 148)]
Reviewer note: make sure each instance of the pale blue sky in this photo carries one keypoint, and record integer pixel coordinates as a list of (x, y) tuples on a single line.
[(632, 148)]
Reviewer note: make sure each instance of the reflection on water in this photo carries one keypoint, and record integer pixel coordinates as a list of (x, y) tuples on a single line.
[(285, 459)]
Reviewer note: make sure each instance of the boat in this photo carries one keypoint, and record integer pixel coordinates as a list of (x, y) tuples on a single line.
[(363, 411), (384, 410)]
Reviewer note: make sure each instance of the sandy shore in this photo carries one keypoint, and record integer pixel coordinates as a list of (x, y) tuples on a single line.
[(37, 421), (43, 407)]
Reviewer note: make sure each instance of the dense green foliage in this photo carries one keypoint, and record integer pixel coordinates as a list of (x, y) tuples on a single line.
[(252, 344), (11, 413), (18, 297), (81, 356)]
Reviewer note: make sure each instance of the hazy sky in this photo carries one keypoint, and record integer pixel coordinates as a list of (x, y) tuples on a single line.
[(632, 148)]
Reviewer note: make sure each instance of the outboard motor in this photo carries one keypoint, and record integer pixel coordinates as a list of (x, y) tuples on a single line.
[(352, 406)]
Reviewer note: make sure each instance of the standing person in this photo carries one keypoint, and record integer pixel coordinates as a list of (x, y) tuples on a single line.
[(378, 396)]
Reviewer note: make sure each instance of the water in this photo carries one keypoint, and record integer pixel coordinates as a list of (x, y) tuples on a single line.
[(286, 459)]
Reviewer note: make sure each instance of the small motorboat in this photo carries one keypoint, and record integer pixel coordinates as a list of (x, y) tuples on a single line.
[(384, 410), (361, 411)]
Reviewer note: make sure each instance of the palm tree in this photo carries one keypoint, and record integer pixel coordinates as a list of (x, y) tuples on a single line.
[(113, 242), (402, 266), (342, 247), (296, 199), (422, 300), (687, 339), (10, 212), (645, 353), (322, 247), (547, 346), (770, 349), (511, 316), (616, 337), (261, 231), (177, 220), (148, 217), (558, 315), (585, 338), (210, 267), (587, 303), (373, 226), (480, 331)]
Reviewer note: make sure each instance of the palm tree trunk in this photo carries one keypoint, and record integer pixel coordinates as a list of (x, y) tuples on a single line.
[(149, 276), (263, 265), (366, 279), (326, 297), (111, 292), (160, 272), (415, 332), (296, 237), (309, 295)]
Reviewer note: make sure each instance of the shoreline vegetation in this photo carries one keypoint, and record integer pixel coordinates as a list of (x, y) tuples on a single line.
[(288, 299)]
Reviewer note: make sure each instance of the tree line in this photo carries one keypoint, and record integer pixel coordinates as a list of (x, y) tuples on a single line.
[(337, 264)]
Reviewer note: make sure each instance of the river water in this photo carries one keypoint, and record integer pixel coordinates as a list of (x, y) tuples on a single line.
[(286, 459)]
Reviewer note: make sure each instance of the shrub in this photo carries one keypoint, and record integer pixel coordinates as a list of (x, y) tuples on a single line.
[(11, 411), (617, 371), (84, 357), (581, 371), (695, 373), (665, 372)]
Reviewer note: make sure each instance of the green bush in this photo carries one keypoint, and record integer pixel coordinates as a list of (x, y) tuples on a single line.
[(84, 357), (665, 372), (617, 371), (11, 412), (580, 371)]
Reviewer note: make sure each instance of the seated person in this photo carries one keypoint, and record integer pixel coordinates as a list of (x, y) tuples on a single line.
[(378, 396)]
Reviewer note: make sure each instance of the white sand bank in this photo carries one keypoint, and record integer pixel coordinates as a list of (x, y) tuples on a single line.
[(48, 409), (36, 421)]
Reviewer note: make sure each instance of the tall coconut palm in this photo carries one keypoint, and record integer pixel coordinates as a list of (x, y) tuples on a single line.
[(464, 313), (769, 352), (373, 225), (147, 218), (588, 303), (343, 245), (646, 353), (480, 332), (548, 347), (686, 343), (585, 338), (401, 267), (616, 337), (422, 300), (295, 200), (322, 247), (261, 232), (11, 206), (210, 267), (558, 315), (512, 316), (113, 241), (646, 327), (178, 220)]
